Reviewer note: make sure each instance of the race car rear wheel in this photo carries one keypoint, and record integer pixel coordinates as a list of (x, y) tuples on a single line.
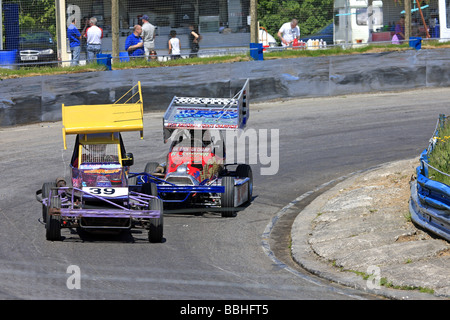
[(227, 198), (245, 171), (53, 224), (150, 167), (45, 193), (155, 230)]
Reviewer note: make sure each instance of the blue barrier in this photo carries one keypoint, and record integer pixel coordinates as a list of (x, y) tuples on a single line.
[(415, 42), (8, 59), (123, 56), (104, 59), (256, 51), (430, 200)]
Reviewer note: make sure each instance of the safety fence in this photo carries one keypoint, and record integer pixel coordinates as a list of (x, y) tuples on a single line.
[(33, 27), (26, 100), (430, 199)]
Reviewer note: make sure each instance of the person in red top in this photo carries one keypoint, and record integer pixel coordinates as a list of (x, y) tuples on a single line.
[(93, 37)]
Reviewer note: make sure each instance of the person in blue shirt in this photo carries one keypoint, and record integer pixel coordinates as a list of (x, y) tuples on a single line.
[(74, 40), (134, 44)]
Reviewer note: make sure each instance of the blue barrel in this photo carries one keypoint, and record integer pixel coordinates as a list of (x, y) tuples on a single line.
[(256, 51), (104, 59), (415, 42), (8, 59), (124, 57)]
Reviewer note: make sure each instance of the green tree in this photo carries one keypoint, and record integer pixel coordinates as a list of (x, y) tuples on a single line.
[(37, 14), (272, 14), (311, 14), (315, 14)]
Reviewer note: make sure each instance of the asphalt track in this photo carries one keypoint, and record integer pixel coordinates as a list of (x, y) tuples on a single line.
[(205, 256)]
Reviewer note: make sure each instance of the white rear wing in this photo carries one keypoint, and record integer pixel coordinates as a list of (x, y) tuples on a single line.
[(208, 113)]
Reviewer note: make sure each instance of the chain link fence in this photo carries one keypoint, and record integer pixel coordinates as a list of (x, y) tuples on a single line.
[(221, 24), (33, 27), (350, 21)]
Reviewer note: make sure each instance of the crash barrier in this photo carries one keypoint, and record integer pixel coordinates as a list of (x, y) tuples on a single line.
[(123, 57), (104, 59), (429, 204), (256, 51), (415, 42), (8, 59), (37, 99)]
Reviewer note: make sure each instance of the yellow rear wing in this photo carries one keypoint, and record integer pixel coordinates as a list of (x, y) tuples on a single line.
[(123, 115)]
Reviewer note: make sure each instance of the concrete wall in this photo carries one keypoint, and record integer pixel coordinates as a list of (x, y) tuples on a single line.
[(36, 99)]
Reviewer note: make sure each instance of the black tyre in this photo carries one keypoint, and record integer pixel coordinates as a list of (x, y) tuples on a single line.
[(150, 188), (155, 230), (227, 198), (45, 193), (132, 181), (245, 171), (150, 167), (53, 224)]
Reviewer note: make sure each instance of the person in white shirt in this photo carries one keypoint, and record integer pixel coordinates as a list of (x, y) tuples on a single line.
[(174, 45), (94, 37), (289, 32)]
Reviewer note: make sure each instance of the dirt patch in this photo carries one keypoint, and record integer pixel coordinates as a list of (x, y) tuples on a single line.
[(445, 253), (416, 236), (393, 188)]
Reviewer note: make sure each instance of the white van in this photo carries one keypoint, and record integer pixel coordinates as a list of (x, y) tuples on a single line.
[(351, 21), (444, 20)]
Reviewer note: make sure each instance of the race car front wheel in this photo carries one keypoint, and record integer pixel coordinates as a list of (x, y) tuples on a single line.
[(155, 230), (227, 198)]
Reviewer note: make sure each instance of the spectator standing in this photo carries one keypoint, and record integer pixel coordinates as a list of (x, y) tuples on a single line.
[(134, 44), (289, 32), (83, 37), (194, 40), (94, 37), (148, 35), (74, 41), (174, 45)]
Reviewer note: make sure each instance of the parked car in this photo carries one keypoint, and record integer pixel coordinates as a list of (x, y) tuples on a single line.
[(326, 34), (37, 46)]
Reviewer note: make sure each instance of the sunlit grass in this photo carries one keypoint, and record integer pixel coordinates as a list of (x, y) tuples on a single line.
[(142, 63), (334, 50), (47, 70), (439, 158)]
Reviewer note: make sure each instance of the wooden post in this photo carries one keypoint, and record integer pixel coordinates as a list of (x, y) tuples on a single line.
[(115, 29), (407, 19), (61, 32), (254, 22), (1, 25)]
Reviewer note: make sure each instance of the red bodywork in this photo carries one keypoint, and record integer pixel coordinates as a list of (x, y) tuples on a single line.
[(201, 162)]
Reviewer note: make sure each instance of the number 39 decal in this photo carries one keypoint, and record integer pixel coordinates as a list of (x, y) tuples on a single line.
[(107, 192)]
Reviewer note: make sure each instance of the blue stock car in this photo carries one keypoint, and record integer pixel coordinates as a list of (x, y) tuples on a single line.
[(196, 176)]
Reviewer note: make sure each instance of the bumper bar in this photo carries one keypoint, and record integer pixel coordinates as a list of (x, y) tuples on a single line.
[(109, 213)]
